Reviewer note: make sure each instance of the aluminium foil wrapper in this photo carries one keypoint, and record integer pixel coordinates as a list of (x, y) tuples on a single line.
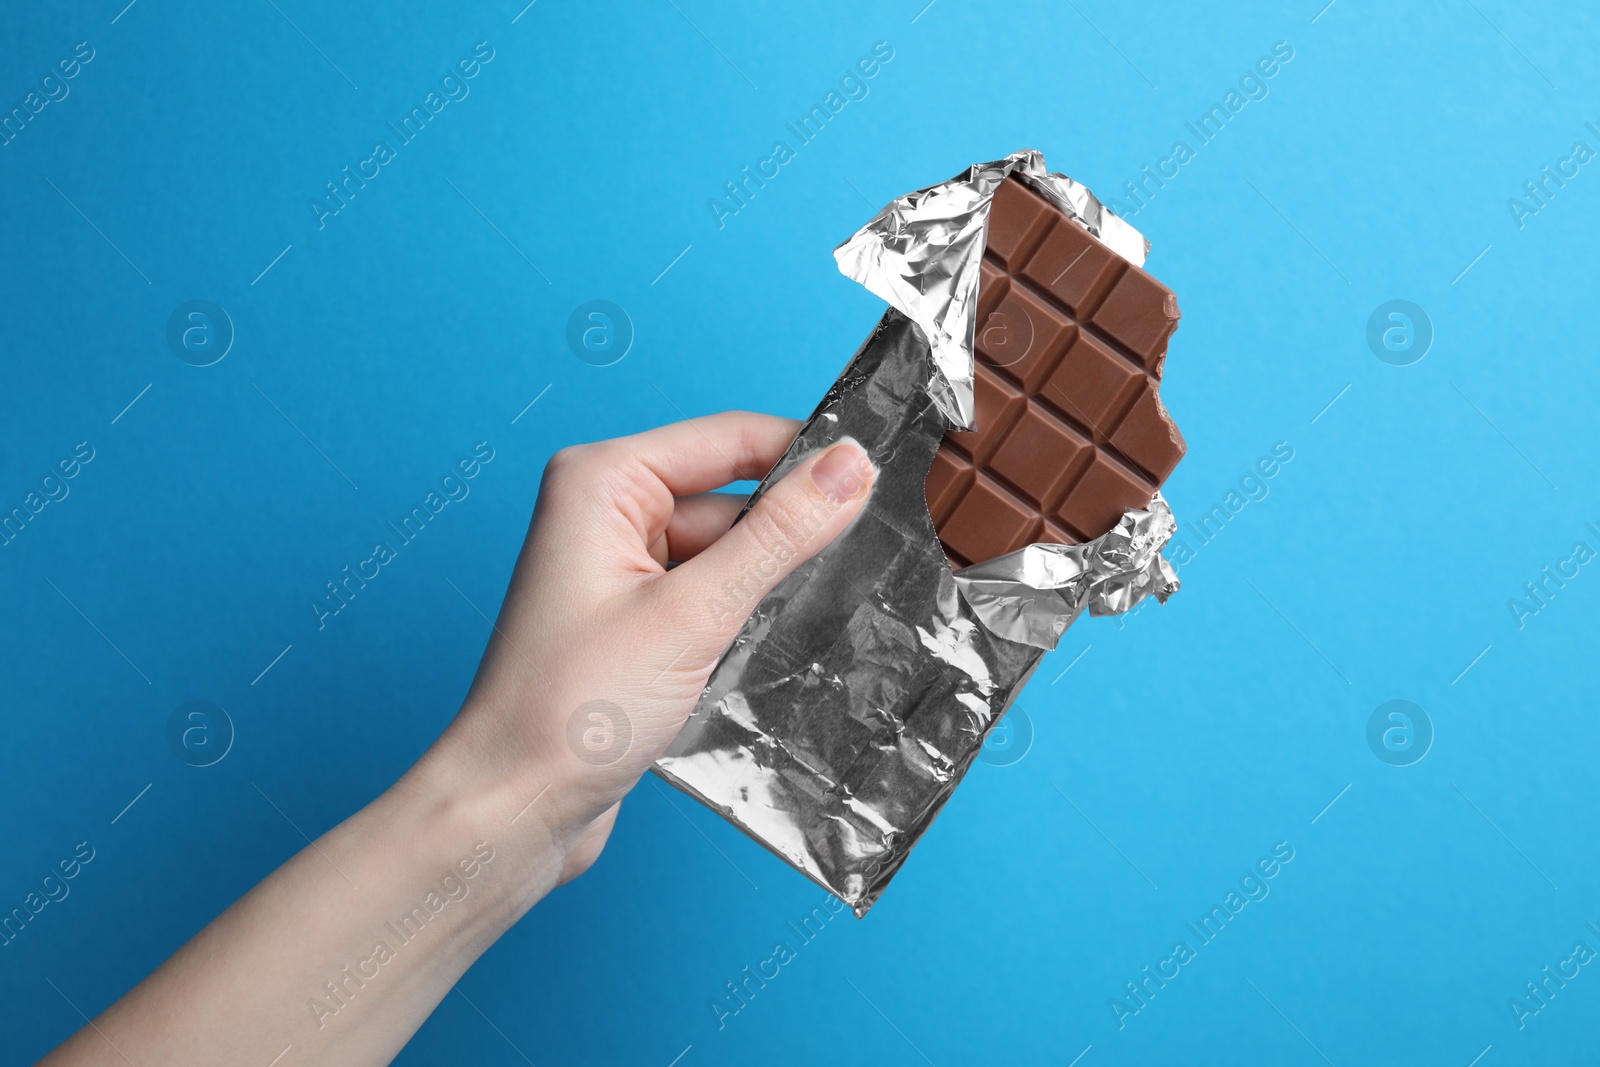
[(860, 690)]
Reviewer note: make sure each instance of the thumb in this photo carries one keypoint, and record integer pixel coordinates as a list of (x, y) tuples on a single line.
[(796, 518)]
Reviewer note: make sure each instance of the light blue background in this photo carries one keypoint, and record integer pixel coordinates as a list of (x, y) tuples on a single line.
[(417, 323)]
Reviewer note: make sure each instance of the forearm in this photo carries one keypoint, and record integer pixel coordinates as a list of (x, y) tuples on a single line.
[(599, 654), (344, 950)]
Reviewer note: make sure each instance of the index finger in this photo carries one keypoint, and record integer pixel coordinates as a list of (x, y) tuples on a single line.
[(706, 453)]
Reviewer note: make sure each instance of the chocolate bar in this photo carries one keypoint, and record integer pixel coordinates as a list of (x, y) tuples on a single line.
[(861, 688), (1070, 431)]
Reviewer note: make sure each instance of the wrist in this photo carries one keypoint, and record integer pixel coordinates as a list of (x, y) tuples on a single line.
[(526, 803)]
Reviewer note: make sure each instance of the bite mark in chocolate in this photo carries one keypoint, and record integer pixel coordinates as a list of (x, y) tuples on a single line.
[(1071, 340)]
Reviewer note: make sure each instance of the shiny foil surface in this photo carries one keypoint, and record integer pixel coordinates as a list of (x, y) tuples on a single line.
[(861, 688), (922, 254)]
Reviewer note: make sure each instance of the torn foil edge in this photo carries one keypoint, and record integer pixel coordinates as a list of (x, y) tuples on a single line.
[(1032, 595), (923, 254), (839, 646)]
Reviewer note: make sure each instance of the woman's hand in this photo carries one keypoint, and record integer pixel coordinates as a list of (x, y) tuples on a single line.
[(596, 661), (601, 650)]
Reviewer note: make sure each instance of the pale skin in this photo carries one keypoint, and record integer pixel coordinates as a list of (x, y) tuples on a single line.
[(592, 614)]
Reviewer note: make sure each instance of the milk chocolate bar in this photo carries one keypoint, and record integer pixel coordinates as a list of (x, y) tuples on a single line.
[(1070, 431), (861, 688)]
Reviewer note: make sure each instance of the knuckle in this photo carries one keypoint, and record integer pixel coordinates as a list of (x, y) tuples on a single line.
[(574, 466), (780, 527), (701, 614), (563, 462)]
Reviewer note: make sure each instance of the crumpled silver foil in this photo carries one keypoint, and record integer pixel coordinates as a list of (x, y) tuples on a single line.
[(861, 688), (1032, 595), (923, 251)]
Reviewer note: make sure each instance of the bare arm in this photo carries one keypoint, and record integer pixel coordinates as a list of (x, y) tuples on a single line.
[(598, 657)]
